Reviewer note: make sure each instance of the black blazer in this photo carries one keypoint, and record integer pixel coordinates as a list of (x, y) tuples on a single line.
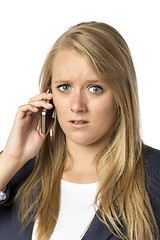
[(10, 227)]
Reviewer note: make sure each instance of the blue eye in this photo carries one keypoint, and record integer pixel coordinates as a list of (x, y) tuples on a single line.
[(64, 88), (96, 89)]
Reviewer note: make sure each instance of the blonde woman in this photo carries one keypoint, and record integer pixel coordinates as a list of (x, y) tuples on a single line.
[(91, 176)]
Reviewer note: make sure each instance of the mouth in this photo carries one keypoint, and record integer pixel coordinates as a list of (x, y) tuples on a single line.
[(79, 123)]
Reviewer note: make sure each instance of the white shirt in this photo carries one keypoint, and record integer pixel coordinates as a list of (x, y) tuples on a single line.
[(76, 211)]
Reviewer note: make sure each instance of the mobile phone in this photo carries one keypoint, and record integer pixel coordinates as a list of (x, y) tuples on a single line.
[(46, 117)]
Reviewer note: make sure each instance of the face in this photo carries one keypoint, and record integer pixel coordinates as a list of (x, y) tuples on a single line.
[(84, 104)]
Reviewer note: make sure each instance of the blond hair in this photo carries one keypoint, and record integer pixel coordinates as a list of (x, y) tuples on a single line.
[(124, 206)]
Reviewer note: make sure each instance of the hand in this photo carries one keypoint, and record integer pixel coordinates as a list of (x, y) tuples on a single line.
[(25, 140)]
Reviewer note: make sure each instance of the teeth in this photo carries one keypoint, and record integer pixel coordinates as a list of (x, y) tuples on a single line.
[(79, 121)]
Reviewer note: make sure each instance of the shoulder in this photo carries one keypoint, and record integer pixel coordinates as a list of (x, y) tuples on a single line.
[(152, 161), (152, 172)]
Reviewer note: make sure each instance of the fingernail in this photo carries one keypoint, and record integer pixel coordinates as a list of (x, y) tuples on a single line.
[(49, 90), (49, 104)]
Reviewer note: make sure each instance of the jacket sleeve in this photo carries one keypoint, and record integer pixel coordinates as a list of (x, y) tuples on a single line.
[(152, 168), (18, 180)]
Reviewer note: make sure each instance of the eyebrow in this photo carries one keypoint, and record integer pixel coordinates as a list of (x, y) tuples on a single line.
[(68, 81)]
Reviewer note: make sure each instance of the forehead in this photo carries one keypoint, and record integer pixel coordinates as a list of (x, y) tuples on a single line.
[(70, 62)]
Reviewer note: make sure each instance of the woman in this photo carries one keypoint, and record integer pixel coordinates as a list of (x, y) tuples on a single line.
[(93, 178)]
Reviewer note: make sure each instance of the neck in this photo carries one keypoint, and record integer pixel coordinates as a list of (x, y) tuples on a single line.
[(81, 157), (80, 166), (80, 163)]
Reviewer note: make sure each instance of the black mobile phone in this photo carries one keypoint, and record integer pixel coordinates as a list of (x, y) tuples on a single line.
[(46, 117)]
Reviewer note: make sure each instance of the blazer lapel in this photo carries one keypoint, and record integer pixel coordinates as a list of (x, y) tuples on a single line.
[(97, 231)]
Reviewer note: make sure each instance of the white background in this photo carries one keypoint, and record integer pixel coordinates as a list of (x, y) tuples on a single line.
[(28, 29)]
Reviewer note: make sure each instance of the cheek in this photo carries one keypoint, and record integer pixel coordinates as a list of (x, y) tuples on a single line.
[(107, 119), (58, 102), (106, 111), (61, 107), (110, 110)]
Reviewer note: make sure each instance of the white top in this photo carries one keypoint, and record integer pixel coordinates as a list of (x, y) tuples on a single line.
[(76, 211)]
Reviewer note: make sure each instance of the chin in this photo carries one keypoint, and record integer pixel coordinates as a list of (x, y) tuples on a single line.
[(84, 140)]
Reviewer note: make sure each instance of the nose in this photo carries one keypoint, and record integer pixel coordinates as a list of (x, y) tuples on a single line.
[(78, 103)]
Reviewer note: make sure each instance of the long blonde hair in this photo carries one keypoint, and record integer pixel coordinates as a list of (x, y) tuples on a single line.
[(124, 205)]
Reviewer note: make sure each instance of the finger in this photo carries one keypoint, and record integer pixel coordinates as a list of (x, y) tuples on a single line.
[(42, 96), (28, 113), (26, 109), (41, 104)]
